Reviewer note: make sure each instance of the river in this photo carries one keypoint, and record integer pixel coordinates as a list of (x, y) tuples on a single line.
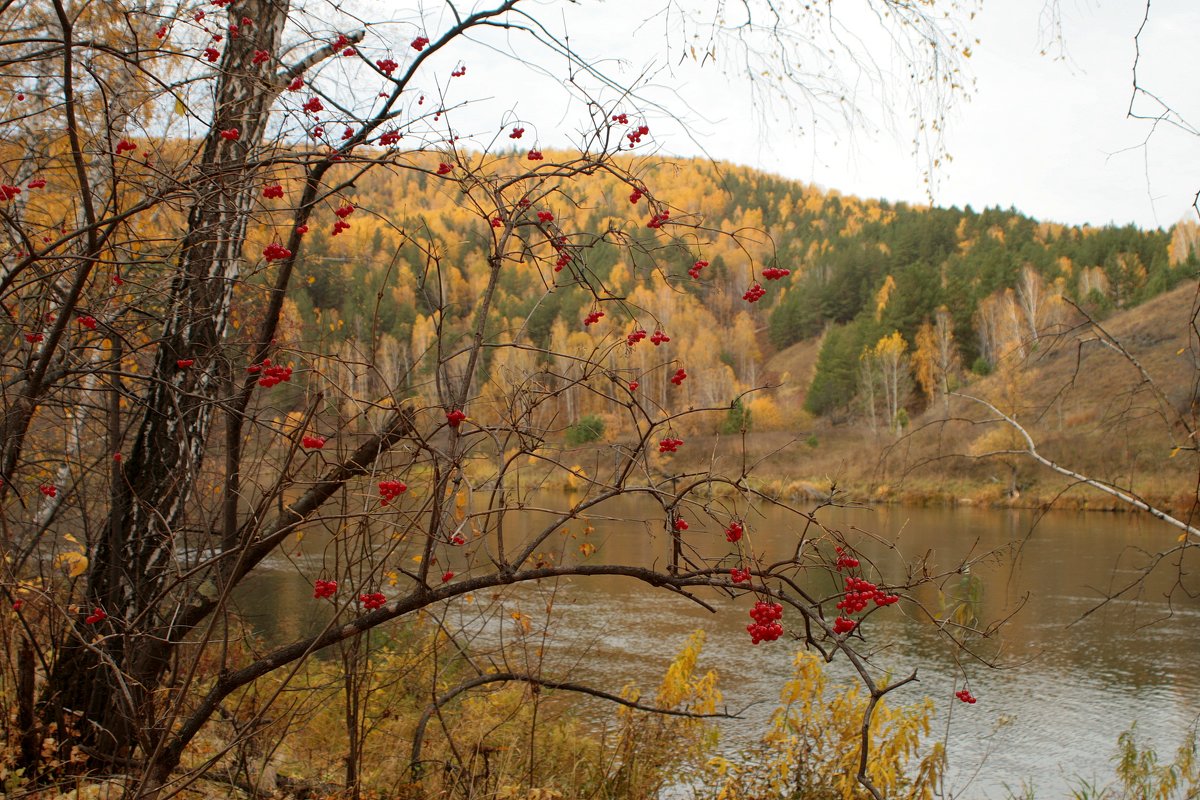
[(1072, 674)]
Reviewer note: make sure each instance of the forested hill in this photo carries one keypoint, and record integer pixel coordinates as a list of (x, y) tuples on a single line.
[(871, 277)]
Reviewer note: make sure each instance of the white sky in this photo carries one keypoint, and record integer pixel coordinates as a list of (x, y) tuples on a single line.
[(1046, 135)]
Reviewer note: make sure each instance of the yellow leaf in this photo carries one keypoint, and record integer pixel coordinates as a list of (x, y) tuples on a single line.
[(180, 108), (1174, 452), (71, 538), (75, 562), (587, 548), (417, 558)]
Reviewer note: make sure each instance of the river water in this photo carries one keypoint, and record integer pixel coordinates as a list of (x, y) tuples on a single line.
[(1070, 673)]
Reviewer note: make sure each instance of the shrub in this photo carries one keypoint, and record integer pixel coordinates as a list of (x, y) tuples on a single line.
[(586, 429)]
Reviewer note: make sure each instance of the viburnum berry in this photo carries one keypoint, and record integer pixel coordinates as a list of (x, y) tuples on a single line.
[(199, 15), (273, 190), (419, 43), (774, 273), (276, 252), (516, 133), (766, 626), (635, 337), (635, 135), (659, 218), (212, 54), (754, 293), (545, 216), (313, 442), (125, 146), (694, 272), (458, 540), (454, 418), (444, 168), (272, 374), (844, 625), (339, 226), (447, 576), (669, 445), (323, 589), (344, 211), (184, 363), (965, 695), (621, 118), (635, 195), (679, 377), (341, 41), (389, 138), (98, 615), (48, 489), (349, 51), (390, 490), (372, 601), (231, 134), (34, 338), (301, 229), (738, 575), (161, 33), (535, 155), (658, 337), (88, 322), (37, 183), (734, 532), (844, 559), (9, 192), (458, 73), (497, 222), (680, 524), (317, 132), (313, 105), (633, 385), (296, 84), (593, 318), (386, 65)]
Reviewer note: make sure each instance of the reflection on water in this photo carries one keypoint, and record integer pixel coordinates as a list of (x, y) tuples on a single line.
[(1070, 681)]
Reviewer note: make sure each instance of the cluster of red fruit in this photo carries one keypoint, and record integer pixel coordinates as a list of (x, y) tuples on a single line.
[(390, 490), (658, 219), (272, 374), (444, 168), (313, 442), (88, 321), (323, 589), (48, 489), (458, 73), (754, 293), (635, 337), (545, 216), (669, 445), (680, 524), (372, 601), (635, 135), (184, 363), (387, 66), (844, 625), (389, 138), (766, 626), (679, 377), (593, 318), (231, 134), (635, 195), (738, 575), (859, 592), (276, 252), (535, 155), (844, 559), (454, 418), (272, 190), (313, 105), (97, 615), (419, 43), (125, 146), (774, 273), (694, 272), (621, 118), (516, 133), (658, 337), (965, 695), (734, 532)]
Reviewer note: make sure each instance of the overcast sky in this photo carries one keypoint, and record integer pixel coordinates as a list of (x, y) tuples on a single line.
[(1043, 133)]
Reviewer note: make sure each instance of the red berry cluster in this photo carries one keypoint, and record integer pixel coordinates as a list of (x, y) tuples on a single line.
[(389, 138), (669, 445), (535, 155), (517, 133), (766, 626), (313, 105), (419, 43), (497, 222), (184, 363), (545, 216), (636, 337), (372, 601), (444, 168), (844, 559), (694, 272), (844, 625), (390, 490), (231, 134), (454, 418), (125, 146), (37, 183), (273, 190), (323, 589), (738, 575), (296, 85), (313, 442), (859, 592), (212, 54), (48, 489), (754, 293), (965, 695), (621, 118), (97, 615), (635, 135), (593, 318), (276, 252), (458, 73), (260, 57), (34, 338), (658, 337), (679, 377), (88, 321), (635, 195), (658, 219), (447, 576), (387, 66), (680, 524), (734, 532), (774, 273), (272, 374), (458, 540)]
